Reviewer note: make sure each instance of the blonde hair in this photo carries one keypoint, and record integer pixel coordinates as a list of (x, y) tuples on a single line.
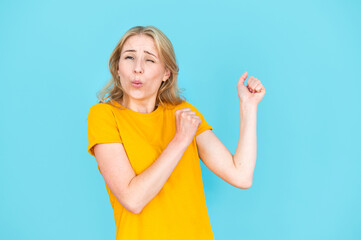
[(168, 91)]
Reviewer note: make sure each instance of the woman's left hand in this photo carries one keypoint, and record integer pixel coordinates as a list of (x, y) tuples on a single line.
[(251, 94)]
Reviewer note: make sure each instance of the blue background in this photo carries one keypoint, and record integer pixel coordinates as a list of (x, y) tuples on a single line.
[(307, 181)]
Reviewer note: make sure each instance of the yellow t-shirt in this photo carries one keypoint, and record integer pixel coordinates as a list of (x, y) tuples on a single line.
[(179, 210)]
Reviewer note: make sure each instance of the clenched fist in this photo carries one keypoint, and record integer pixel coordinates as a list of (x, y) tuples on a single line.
[(187, 123), (251, 94)]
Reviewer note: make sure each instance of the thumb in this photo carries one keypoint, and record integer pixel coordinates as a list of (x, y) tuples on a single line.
[(243, 78)]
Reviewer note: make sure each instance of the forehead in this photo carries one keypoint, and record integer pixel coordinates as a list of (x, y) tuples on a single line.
[(140, 43)]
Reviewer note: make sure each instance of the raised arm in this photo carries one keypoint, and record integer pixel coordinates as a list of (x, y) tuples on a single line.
[(236, 169), (133, 191)]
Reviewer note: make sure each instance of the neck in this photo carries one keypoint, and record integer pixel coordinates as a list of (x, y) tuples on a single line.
[(140, 106)]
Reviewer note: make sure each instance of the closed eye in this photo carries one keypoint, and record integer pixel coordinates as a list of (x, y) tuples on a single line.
[(129, 57)]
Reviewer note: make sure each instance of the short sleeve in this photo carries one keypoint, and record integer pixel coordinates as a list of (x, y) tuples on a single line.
[(204, 124), (102, 126)]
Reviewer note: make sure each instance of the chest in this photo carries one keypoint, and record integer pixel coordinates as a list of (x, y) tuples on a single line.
[(145, 139)]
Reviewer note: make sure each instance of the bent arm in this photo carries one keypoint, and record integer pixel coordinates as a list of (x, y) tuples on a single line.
[(236, 169), (133, 191), (145, 186)]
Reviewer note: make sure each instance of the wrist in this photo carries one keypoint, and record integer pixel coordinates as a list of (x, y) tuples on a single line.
[(247, 107), (180, 141), (247, 112)]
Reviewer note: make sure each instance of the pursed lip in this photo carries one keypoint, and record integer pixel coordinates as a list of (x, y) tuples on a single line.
[(137, 82)]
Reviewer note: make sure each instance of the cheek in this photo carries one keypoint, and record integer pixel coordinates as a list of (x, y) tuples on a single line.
[(156, 74), (123, 72), (122, 68)]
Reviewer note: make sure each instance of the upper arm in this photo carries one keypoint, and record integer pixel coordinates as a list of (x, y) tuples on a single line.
[(219, 160), (116, 170), (105, 144)]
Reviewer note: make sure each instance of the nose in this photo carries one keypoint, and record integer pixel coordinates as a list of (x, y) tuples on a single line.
[(138, 68)]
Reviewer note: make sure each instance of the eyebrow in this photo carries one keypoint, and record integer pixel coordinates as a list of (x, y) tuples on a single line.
[(135, 51)]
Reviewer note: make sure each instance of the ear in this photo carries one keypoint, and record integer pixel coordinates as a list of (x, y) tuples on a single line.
[(166, 75)]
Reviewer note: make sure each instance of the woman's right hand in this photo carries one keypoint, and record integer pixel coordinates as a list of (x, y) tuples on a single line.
[(187, 123)]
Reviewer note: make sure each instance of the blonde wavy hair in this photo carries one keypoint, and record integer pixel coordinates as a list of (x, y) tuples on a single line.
[(168, 91)]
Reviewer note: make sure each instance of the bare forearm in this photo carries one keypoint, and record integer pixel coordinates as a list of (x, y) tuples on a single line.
[(145, 186), (246, 152)]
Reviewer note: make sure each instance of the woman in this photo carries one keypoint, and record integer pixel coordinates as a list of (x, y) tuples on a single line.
[(147, 142)]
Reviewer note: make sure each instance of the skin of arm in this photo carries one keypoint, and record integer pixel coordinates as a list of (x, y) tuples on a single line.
[(134, 192), (147, 185), (236, 169)]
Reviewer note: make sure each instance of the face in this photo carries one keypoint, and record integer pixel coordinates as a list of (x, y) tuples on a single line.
[(140, 69)]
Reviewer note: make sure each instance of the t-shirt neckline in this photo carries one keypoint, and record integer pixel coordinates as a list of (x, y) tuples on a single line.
[(156, 112)]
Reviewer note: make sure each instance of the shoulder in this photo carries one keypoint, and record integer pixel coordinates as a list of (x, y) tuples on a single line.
[(100, 108), (184, 104)]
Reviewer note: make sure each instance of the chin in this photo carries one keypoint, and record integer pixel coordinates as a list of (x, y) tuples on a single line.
[(138, 97)]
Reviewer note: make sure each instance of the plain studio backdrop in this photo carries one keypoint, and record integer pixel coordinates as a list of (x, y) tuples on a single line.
[(307, 181)]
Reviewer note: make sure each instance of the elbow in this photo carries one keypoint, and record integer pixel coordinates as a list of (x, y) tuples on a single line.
[(248, 184), (135, 208), (130, 205), (244, 180), (132, 209), (136, 211), (245, 184)]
